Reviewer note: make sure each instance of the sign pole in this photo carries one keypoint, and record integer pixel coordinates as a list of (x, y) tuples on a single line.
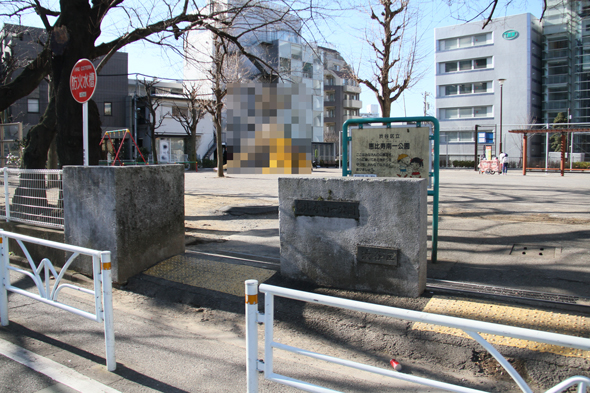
[(85, 131), (82, 86)]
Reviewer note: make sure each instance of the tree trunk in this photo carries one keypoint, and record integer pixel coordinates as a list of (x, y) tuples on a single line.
[(219, 147), (76, 16), (39, 139), (153, 139), (192, 147)]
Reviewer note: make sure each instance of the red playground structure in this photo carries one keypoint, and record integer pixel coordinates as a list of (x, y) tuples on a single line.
[(118, 151)]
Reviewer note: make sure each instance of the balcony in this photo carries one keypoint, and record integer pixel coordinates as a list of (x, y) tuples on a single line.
[(351, 89), (557, 79), (348, 117), (558, 104), (352, 104), (557, 54)]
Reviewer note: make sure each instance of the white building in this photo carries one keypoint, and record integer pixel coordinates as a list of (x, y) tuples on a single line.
[(277, 44), (471, 65), (171, 137)]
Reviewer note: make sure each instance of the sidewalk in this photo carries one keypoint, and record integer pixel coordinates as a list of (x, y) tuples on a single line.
[(179, 325)]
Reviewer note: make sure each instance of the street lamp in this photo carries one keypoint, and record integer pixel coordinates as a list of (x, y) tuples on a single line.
[(501, 82)]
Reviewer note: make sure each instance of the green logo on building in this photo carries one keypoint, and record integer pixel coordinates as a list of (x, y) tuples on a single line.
[(510, 35)]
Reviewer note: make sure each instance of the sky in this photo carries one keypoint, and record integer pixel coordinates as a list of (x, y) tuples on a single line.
[(344, 38), (342, 35)]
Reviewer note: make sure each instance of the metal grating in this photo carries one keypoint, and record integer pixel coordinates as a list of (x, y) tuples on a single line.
[(506, 292)]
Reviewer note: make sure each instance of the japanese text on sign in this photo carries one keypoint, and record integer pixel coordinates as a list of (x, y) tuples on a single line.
[(402, 152)]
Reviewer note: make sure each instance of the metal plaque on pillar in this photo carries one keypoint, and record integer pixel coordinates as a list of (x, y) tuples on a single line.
[(391, 152)]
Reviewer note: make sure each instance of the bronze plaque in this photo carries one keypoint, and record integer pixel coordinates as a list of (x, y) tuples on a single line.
[(377, 255), (337, 209)]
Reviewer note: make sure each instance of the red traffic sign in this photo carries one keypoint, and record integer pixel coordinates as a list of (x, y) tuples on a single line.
[(83, 80)]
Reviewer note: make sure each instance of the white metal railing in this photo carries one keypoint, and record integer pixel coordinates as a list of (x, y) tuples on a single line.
[(32, 196), (470, 327), (41, 275)]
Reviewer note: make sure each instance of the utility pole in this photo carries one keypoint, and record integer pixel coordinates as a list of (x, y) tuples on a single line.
[(426, 105)]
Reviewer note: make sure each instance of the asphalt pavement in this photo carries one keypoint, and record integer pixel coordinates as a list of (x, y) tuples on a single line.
[(513, 246)]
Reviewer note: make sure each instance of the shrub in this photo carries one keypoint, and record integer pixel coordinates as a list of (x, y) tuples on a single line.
[(207, 163), (581, 165), (463, 164)]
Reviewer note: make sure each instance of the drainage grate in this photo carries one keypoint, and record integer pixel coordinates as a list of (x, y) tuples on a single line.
[(506, 292), (534, 250)]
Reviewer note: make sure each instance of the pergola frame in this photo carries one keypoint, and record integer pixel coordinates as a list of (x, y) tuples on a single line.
[(562, 131)]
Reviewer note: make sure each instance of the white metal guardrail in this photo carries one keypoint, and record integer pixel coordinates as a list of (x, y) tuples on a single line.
[(32, 196), (41, 275), (471, 327)]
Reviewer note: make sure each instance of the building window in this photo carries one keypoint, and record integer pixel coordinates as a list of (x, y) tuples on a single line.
[(329, 80), (480, 87), (329, 113), (466, 112), (450, 90), (467, 65), (336, 67), (451, 66), (466, 88), (480, 63), (308, 70), (179, 112), (458, 136), (108, 108), (330, 97), (33, 105), (465, 42), (296, 52), (285, 65)]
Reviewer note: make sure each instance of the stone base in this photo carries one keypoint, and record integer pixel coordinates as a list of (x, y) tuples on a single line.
[(135, 212), (379, 246)]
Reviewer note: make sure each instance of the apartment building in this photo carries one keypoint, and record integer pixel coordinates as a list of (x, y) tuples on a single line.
[(341, 100), (298, 86)]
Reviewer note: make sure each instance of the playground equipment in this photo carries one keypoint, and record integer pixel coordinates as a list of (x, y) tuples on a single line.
[(118, 151)]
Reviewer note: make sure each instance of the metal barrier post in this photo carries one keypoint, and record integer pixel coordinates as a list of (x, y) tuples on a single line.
[(252, 335), (4, 276), (107, 304), (6, 196)]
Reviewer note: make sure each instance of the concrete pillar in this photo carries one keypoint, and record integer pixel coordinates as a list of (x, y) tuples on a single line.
[(135, 212)]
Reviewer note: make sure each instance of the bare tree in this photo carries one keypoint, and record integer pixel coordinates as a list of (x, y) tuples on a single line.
[(152, 104), (394, 68), (485, 9), (189, 116), (74, 33), (227, 67)]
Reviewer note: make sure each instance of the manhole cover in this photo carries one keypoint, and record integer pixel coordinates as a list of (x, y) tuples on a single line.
[(534, 250)]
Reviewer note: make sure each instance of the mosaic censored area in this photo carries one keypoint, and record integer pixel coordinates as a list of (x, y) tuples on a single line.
[(269, 128)]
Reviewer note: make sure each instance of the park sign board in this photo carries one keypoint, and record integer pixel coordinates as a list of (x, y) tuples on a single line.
[(401, 152), (83, 81)]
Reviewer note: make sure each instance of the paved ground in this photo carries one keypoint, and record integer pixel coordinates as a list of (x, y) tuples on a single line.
[(179, 325)]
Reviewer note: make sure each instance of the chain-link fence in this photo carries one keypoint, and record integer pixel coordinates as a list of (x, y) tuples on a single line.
[(32, 196)]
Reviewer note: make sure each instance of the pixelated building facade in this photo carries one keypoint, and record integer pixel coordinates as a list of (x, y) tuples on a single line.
[(269, 128)]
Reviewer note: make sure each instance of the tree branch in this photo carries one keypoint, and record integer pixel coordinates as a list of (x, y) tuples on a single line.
[(27, 80)]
